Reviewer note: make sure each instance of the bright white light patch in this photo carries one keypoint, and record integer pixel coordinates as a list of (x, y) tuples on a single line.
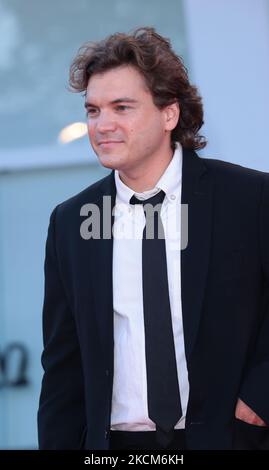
[(72, 132)]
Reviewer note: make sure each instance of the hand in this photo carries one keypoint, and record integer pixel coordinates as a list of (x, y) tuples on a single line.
[(243, 412)]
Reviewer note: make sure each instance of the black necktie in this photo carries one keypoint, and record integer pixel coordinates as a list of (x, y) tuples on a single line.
[(164, 404)]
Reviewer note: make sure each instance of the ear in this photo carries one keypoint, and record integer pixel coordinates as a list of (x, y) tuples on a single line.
[(171, 116)]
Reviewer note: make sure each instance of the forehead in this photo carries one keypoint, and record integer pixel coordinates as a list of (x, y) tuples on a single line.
[(124, 81)]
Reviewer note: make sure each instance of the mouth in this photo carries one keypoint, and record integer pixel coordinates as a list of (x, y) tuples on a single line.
[(109, 143)]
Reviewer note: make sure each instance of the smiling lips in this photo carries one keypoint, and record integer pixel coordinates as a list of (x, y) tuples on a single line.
[(107, 143)]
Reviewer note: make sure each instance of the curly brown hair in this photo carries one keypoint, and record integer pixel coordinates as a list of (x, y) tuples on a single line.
[(164, 73)]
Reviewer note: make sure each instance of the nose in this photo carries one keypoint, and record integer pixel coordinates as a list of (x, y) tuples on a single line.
[(105, 123)]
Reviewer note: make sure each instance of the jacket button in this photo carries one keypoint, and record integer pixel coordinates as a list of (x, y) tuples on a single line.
[(107, 372), (106, 434)]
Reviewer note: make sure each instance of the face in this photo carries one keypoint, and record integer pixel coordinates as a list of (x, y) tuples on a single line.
[(126, 130)]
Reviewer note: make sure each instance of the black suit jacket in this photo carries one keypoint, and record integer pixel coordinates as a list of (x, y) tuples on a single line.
[(225, 293)]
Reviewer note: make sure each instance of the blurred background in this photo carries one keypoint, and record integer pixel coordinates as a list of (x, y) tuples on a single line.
[(45, 156)]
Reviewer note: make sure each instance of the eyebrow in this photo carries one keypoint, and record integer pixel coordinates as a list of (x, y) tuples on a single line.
[(118, 100)]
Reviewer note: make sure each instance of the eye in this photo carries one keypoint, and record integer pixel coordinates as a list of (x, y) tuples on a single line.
[(91, 112), (122, 107)]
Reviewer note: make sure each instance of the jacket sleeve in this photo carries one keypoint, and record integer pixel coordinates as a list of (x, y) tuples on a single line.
[(255, 388), (61, 413)]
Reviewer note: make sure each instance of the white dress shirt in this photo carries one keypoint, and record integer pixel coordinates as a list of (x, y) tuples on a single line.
[(129, 398)]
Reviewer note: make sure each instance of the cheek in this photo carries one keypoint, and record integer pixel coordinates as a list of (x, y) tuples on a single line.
[(150, 124), (148, 132), (90, 132)]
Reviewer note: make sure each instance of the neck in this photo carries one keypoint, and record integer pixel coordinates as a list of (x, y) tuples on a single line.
[(146, 177)]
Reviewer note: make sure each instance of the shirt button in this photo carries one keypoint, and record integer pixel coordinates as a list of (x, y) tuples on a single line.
[(172, 197)]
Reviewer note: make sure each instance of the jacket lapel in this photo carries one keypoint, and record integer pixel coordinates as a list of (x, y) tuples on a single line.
[(197, 193), (101, 268)]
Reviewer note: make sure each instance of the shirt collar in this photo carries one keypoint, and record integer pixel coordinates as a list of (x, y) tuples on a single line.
[(169, 181)]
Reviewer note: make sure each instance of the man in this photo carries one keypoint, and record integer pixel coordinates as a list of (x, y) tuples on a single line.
[(147, 346)]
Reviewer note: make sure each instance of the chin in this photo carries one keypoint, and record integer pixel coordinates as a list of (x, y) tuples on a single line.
[(113, 162)]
